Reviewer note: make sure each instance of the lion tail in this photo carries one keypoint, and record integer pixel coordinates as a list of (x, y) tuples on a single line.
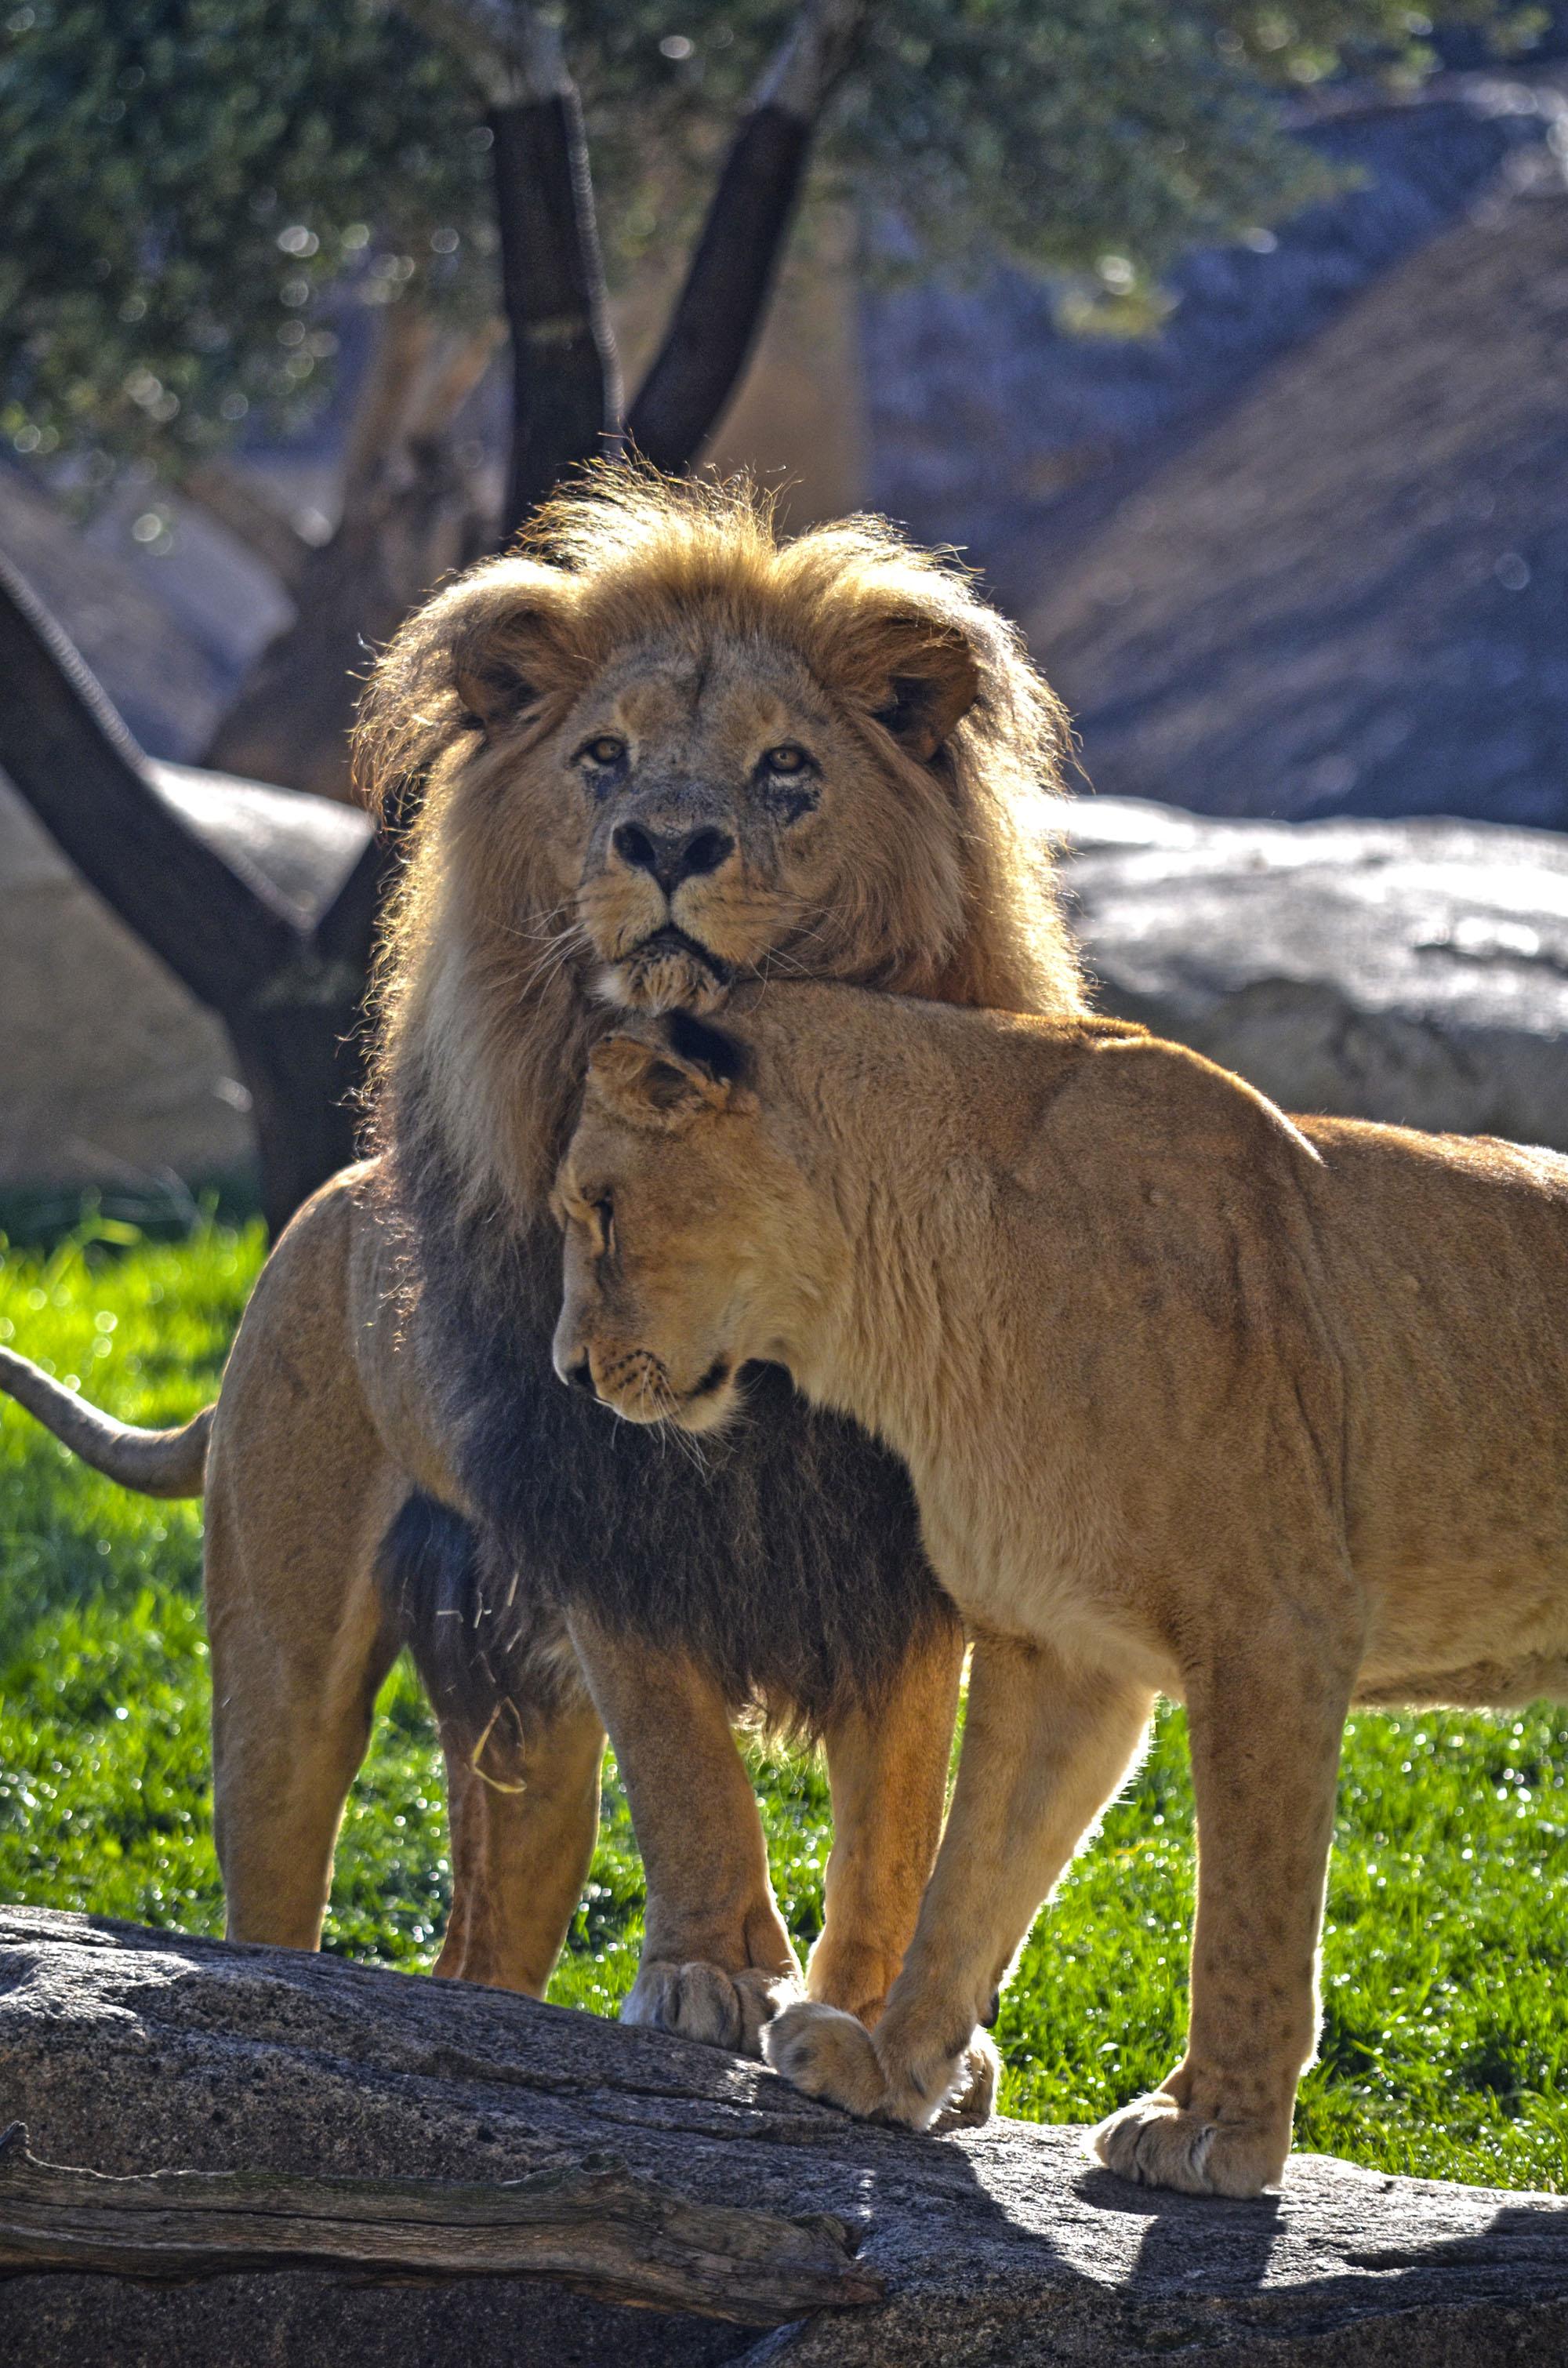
[(158, 1462)]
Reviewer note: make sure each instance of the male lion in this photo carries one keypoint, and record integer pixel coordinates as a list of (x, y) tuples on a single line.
[(661, 750), (1270, 1416)]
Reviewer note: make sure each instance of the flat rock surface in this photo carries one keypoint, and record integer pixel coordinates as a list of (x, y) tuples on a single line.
[(1414, 971), (127, 2050)]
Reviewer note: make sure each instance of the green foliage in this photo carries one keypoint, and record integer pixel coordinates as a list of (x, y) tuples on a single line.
[(1445, 2048), (191, 190)]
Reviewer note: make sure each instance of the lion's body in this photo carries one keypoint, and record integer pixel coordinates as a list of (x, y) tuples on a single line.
[(1267, 1415), (661, 752)]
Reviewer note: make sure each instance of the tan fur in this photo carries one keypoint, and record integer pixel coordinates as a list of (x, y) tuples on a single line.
[(673, 617), (1269, 1415)]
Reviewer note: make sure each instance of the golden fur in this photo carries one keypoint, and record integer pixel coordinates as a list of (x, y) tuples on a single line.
[(1267, 1415), (674, 618), (673, 615)]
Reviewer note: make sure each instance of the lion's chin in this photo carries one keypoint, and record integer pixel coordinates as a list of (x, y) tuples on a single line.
[(665, 973)]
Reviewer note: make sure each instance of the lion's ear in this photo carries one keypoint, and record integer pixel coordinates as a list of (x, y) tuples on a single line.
[(649, 1087), (926, 706), (509, 651), (478, 653), (920, 674)]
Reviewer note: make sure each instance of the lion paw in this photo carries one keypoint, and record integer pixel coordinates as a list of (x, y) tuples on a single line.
[(1157, 2143), (830, 2055), (700, 2001), (973, 2099)]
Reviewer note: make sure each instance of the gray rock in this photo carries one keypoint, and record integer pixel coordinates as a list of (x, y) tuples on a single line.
[(129, 2050), (111, 1071), (993, 426), (1345, 595), (1412, 972)]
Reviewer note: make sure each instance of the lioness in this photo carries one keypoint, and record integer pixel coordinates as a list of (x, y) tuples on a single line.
[(1268, 1415), (661, 749)]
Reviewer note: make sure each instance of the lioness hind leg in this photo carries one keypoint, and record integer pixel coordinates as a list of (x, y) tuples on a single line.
[(887, 1767), (1264, 1763), (717, 1962), (524, 1803)]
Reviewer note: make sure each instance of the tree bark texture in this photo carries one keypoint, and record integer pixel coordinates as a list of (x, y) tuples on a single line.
[(409, 515), (592, 2226), (565, 392)]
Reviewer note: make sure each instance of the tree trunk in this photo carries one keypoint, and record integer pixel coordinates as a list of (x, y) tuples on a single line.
[(408, 516), (565, 388), (288, 988)]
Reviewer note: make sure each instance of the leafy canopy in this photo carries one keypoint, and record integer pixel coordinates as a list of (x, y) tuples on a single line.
[(190, 188)]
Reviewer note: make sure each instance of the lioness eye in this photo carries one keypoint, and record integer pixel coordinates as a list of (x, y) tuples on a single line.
[(606, 750), (786, 759)]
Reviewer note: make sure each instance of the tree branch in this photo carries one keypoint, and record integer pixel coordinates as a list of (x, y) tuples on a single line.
[(565, 379), (593, 2225), (217, 922), (512, 54), (720, 310), (251, 518)]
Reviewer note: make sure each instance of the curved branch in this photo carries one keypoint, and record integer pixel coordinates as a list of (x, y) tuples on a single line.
[(216, 921), (719, 313)]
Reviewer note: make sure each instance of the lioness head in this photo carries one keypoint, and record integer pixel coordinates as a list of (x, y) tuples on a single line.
[(685, 1228), (661, 749)]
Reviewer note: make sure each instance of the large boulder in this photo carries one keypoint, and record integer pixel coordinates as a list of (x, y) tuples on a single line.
[(130, 2051), (1412, 972)]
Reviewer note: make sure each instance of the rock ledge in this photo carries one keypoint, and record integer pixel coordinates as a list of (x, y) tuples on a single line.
[(132, 2051)]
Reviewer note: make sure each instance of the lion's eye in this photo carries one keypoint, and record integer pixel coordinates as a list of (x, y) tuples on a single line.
[(604, 1211), (787, 758), (606, 750)]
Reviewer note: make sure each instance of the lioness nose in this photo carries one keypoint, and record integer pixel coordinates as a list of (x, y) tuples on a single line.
[(672, 856)]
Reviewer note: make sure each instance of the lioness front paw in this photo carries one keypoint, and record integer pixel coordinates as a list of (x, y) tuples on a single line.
[(830, 2055), (700, 2001), (1158, 2143), (972, 2099)]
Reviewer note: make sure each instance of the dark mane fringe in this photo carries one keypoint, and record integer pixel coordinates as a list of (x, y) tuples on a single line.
[(790, 1568)]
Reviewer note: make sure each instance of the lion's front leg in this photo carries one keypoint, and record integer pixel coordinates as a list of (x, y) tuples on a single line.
[(1045, 1749), (1265, 1719), (717, 1962), (887, 1767)]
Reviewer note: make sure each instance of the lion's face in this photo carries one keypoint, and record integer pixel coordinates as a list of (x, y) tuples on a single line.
[(677, 752), (721, 794)]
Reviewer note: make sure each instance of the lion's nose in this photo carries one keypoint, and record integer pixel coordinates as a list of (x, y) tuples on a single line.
[(672, 856), (579, 1376)]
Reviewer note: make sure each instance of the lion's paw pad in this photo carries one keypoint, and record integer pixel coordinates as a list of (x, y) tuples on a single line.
[(1156, 2143), (697, 2000), (828, 2053)]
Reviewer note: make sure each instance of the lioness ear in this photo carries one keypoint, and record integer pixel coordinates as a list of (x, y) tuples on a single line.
[(648, 1087)]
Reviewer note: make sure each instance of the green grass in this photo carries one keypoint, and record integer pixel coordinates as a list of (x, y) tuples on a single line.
[(1445, 2046)]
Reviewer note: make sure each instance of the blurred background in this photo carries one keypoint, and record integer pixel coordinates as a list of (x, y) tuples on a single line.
[(1227, 342)]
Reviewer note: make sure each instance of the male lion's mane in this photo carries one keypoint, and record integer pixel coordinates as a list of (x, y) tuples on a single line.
[(791, 1565)]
